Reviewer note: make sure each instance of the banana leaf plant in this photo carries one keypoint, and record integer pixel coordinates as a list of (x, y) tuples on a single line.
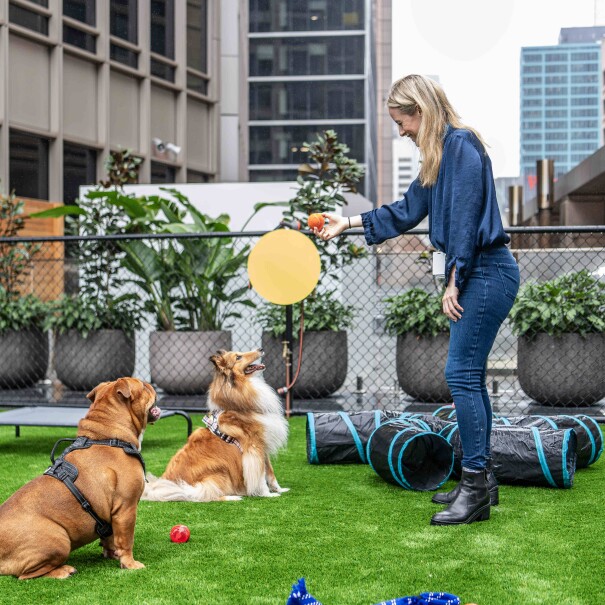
[(187, 283), (190, 283)]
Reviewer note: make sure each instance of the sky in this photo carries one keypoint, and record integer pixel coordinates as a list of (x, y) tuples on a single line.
[(474, 47)]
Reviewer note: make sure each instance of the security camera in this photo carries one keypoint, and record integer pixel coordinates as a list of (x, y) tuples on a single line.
[(173, 148), (159, 145)]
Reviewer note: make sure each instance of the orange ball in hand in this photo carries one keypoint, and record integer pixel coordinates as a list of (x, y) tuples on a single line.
[(316, 221)]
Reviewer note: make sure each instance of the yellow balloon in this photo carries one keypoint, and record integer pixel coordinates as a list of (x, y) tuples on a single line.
[(284, 266)]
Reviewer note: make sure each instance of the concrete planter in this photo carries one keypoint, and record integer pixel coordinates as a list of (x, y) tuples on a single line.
[(23, 358), (180, 361), (420, 364), (562, 371), (324, 363), (82, 363)]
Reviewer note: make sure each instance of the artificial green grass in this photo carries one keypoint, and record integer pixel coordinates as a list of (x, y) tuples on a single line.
[(356, 539)]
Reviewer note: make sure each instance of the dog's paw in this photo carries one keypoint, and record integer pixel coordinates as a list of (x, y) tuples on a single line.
[(277, 489), (271, 495), (132, 565), (110, 554), (231, 498)]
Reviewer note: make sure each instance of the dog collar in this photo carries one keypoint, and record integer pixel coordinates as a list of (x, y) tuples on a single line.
[(211, 421)]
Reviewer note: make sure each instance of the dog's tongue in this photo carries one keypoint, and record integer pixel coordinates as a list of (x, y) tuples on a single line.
[(155, 413)]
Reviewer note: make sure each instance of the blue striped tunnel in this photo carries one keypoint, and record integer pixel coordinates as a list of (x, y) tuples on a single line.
[(409, 456)]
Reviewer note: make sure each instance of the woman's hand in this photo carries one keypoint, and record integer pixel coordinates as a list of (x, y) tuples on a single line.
[(449, 302), (336, 225)]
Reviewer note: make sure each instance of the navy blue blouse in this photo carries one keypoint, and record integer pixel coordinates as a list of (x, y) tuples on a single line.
[(462, 208)]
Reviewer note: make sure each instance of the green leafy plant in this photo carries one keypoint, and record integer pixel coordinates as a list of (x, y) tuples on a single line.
[(101, 301), (17, 311), (323, 179), (188, 282), (569, 303), (328, 173), (321, 312), (415, 311)]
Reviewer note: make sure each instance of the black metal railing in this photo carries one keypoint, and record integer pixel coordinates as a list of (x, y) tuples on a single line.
[(355, 368)]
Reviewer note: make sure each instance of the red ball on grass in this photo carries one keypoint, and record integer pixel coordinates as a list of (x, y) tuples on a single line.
[(180, 534)]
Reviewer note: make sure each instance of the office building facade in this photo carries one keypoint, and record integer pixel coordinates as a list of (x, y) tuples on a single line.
[(561, 104), (312, 66), (82, 78)]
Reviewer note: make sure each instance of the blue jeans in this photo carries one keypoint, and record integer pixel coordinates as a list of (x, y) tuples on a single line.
[(486, 299)]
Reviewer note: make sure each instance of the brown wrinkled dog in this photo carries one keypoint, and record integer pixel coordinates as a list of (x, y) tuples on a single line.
[(248, 415), (42, 522)]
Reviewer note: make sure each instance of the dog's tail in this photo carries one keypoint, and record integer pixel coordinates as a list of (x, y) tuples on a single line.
[(158, 489)]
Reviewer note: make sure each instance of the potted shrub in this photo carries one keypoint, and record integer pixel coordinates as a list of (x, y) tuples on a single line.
[(560, 326), (188, 286), (422, 329), (24, 342), (327, 175), (95, 327), (324, 363)]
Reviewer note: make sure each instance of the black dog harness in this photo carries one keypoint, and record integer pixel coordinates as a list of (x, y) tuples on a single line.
[(67, 473)]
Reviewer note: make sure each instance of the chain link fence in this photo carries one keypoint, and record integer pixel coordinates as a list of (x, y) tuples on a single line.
[(46, 360)]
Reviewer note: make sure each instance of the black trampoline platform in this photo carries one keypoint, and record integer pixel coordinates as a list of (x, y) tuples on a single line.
[(42, 415)]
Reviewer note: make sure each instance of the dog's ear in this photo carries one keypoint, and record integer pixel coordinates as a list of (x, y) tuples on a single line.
[(93, 393), (219, 360), (123, 388)]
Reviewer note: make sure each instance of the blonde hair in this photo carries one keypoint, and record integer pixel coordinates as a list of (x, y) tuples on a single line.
[(416, 92)]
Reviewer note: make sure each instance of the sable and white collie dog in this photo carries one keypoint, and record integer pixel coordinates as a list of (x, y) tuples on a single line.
[(230, 458)]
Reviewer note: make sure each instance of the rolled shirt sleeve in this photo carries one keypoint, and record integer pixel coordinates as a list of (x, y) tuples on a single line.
[(394, 219), (463, 199)]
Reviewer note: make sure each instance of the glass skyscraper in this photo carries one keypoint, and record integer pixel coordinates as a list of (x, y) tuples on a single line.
[(310, 69), (561, 106)]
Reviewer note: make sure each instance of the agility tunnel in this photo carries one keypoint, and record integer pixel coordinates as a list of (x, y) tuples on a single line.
[(409, 456), (341, 438), (588, 432), (528, 455)]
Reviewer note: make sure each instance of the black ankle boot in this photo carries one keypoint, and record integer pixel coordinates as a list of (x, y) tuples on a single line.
[(492, 486), (470, 504)]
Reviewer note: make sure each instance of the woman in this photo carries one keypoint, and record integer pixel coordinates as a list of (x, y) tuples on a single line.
[(456, 189)]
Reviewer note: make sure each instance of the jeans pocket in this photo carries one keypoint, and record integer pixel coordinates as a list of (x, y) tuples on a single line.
[(509, 276)]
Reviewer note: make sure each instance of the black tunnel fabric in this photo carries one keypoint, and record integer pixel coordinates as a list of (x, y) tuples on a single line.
[(409, 456), (341, 438), (338, 437), (588, 432), (528, 455)]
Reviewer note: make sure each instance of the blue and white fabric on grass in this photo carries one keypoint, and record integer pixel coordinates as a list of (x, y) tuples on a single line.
[(300, 596)]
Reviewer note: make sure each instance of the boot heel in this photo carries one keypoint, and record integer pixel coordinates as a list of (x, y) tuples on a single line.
[(484, 514)]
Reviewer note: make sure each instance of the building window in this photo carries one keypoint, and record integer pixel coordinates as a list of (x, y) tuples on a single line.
[(306, 100), (338, 55), (28, 165), (79, 38), (28, 19), (124, 55), (162, 28), (81, 10), (197, 35), (162, 173), (285, 144), (123, 20), (79, 168), (319, 15), (195, 176)]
